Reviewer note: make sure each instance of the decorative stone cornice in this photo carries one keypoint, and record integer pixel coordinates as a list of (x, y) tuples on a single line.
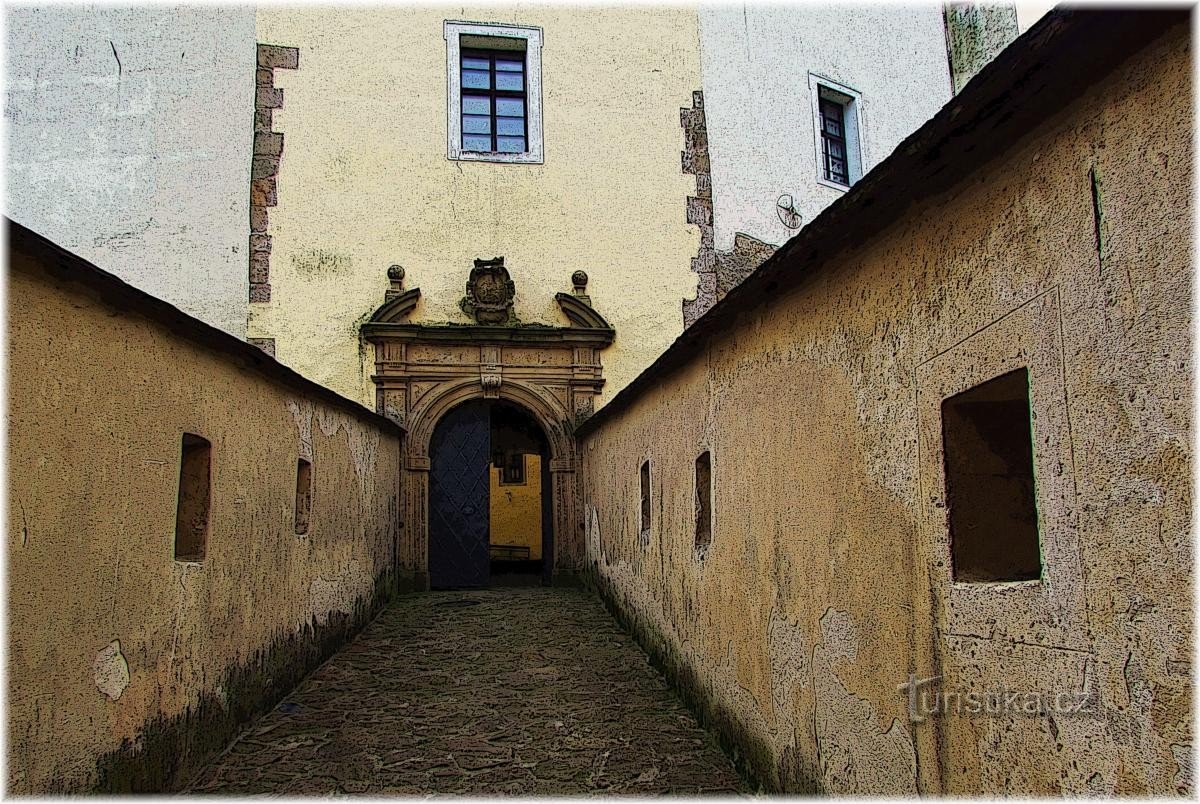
[(580, 314), (396, 309), (377, 331), (588, 327)]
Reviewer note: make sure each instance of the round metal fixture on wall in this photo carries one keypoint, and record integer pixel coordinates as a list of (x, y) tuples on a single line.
[(785, 208)]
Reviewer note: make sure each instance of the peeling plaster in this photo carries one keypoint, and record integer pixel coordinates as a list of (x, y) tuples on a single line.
[(302, 412), (856, 758), (203, 646), (789, 651), (111, 670), (1185, 761), (823, 417)]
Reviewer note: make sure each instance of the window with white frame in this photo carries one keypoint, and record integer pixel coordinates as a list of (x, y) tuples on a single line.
[(837, 120), (494, 97)]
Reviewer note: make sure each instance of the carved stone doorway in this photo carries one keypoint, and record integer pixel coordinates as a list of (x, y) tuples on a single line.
[(423, 371), (490, 518)]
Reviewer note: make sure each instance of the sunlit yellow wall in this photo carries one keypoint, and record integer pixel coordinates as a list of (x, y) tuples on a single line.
[(365, 181), (516, 510)]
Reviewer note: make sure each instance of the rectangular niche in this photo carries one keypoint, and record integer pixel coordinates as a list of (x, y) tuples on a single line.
[(195, 498), (988, 447)]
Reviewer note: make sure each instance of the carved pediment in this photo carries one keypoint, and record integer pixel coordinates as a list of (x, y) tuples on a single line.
[(489, 299), (396, 309), (579, 313)]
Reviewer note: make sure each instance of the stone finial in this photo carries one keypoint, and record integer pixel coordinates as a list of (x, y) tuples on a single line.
[(395, 274), (579, 281)]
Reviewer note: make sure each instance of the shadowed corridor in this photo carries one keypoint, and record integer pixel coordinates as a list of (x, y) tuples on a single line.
[(515, 691)]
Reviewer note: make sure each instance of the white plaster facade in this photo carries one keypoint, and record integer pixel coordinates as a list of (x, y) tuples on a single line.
[(129, 135), (756, 63)]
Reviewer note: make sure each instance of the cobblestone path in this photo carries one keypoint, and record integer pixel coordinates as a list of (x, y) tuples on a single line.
[(497, 692)]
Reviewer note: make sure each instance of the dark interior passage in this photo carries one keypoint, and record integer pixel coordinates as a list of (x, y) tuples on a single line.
[(520, 524), (989, 478), (489, 506)]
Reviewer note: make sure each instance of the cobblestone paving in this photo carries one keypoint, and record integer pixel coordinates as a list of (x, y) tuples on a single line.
[(497, 692)]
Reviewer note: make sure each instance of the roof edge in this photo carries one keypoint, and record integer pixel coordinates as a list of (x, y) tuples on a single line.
[(1062, 56), (65, 266)]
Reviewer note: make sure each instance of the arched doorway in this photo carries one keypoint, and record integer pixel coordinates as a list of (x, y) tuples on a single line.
[(490, 518), (424, 371)]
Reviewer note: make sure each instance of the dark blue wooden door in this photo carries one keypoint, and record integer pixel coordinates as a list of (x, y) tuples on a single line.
[(458, 498)]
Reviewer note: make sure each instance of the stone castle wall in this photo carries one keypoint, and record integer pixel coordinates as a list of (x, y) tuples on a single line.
[(126, 667), (827, 583), (129, 140)]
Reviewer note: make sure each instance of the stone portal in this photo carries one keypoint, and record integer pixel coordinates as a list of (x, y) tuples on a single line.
[(422, 371)]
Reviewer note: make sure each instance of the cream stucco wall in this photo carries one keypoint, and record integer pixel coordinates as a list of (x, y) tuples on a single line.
[(827, 583), (365, 181), (125, 667)]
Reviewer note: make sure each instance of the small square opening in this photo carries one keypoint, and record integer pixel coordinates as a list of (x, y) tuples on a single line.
[(303, 495), (991, 496), (192, 507), (703, 502), (645, 500)]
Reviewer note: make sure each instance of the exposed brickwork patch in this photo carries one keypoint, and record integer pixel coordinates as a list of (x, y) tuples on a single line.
[(268, 151), (718, 271), (699, 207)]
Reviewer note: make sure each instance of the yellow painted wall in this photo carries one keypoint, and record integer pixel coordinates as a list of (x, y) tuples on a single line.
[(365, 181), (109, 634), (516, 510), (827, 580)]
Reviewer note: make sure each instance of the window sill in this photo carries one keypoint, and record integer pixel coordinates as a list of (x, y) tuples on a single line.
[(834, 185), (527, 158), (997, 586)]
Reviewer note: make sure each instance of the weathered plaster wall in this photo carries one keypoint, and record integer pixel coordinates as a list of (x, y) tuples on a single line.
[(126, 668), (516, 509), (755, 63), (129, 137), (827, 582), (366, 182), (975, 33)]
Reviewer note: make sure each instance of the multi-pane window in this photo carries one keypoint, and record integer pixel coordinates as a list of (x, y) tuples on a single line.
[(837, 123), (494, 95), (493, 92), (511, 466), (833, 141)]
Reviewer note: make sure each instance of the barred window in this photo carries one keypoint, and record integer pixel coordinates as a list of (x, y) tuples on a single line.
[(833, 141), (837, 119)]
